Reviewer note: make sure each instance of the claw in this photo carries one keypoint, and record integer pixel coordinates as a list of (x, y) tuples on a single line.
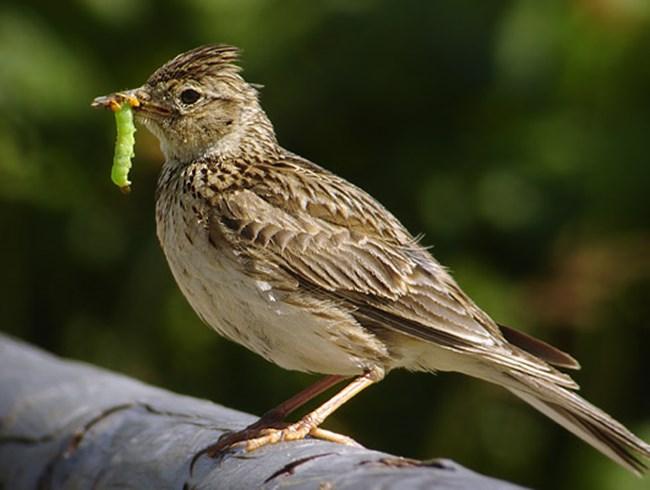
[(328, 435)]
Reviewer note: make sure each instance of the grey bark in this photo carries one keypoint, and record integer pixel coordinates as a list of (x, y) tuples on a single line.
[(69, 425)]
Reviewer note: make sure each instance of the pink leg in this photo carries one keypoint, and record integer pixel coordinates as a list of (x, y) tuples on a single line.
[(273, 417), (298, 400), (310, 422)]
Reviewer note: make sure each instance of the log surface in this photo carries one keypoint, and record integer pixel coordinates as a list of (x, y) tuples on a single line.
[(69, 425)]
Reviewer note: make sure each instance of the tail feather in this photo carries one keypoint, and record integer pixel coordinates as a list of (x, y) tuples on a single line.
[(539, 348), (582, 419)]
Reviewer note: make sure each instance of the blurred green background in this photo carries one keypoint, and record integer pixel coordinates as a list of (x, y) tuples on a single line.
[(514, 134)]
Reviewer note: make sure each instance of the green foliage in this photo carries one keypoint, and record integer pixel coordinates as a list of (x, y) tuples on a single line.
[(514, 134)]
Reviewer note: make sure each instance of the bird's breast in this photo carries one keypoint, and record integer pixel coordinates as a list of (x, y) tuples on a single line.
[(311, 338)]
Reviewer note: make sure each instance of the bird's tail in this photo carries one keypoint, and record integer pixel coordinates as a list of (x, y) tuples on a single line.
[(581, 418)]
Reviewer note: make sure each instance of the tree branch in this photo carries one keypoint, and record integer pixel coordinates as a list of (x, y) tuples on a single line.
[(68, 425)]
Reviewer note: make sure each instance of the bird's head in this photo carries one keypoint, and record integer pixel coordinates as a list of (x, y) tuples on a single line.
[(197, 104)]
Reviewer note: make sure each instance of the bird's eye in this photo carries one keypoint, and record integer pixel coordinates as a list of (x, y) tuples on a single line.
[(189, 96)]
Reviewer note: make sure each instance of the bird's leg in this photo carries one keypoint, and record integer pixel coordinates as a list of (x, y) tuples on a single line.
[(308, 425), (275, 416), (298, 400)]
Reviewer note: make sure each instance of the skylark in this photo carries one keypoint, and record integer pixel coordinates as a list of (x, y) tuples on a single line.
[(313, 274)]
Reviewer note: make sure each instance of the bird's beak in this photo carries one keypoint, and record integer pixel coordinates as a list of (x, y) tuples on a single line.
[(136, 99), (139, 99)]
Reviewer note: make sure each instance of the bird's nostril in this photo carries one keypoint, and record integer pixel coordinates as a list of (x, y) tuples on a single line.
[(141, 95)]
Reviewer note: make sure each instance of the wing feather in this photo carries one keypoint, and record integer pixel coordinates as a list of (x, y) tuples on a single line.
[(335, 241)]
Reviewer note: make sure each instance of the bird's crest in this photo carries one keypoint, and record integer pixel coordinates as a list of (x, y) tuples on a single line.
[(215, 59)]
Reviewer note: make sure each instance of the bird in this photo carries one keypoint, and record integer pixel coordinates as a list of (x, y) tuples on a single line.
[(309, 271)]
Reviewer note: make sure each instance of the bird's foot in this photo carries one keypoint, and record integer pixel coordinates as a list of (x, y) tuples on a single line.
[(269, 431), (296, 432), (253, 431)]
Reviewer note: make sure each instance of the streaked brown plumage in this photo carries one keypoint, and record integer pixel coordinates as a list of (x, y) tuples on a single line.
[(309, 271)]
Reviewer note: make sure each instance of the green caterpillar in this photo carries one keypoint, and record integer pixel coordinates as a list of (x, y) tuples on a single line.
[(123, 146)]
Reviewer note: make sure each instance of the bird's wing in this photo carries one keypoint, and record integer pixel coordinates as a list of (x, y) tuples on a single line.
[(326, 236), (299, 186)]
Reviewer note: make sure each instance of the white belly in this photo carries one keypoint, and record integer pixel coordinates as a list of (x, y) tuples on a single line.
[(251, 313)]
